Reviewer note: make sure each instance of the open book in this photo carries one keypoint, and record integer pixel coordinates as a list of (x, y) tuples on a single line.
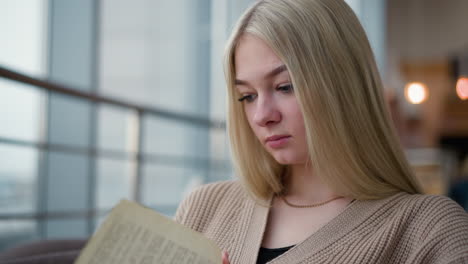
[(132, 233)]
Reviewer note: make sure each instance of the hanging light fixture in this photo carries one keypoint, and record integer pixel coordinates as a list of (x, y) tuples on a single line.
[(416, 92), (462, 88)]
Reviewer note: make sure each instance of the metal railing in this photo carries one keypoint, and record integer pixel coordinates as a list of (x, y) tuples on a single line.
[(67, 90), (137, 155)]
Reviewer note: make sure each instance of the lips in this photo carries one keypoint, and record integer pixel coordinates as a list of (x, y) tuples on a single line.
[(277, 141), (276, 137)]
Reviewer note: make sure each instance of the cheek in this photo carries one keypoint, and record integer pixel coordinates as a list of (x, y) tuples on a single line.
[(300, 123), (301, 129), (297, 118), (249, 115), (298, 126)]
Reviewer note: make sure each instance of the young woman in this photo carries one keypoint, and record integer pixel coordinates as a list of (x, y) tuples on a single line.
[(322, 178)]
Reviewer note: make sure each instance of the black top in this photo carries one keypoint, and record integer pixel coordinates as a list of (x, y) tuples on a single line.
[(267, 254)]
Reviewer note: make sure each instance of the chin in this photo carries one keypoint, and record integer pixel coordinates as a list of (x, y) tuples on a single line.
[(287, 160), (289, 156)]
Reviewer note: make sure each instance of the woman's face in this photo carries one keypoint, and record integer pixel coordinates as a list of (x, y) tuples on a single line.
[(270, 105)]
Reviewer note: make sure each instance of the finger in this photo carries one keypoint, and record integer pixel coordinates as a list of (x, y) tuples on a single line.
[(225, 257)]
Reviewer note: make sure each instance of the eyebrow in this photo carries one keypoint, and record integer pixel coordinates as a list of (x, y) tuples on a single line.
[(272, 73)]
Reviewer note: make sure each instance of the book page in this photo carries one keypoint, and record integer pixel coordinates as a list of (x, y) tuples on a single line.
[(132, 233)]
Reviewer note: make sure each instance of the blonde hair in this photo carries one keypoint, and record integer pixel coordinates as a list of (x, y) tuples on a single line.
[(352, 146)]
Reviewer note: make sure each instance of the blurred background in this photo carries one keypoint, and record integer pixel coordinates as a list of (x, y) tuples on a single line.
[(108, 99)]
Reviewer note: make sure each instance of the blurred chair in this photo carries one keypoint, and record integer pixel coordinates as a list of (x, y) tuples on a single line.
[(44, 252)]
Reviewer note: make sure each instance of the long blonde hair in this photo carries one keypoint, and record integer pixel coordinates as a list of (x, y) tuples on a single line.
[(352, 146)]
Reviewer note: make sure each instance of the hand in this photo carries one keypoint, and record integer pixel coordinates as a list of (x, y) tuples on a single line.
[(226, 258)]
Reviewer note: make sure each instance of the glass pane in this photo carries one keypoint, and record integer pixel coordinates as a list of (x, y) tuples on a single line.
[(219, 145), (23, 24), (220, 164), (68, 182), (63, 229), (72, 43), (193, 44), (220, 171), (166, 185), (173, 138), (69, 120), (117, 128), (18, 179), (13, 232), (114, 182), (20, 109)]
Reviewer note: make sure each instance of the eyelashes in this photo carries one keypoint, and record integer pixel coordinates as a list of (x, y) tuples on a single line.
[(286, 88), (247, 98)]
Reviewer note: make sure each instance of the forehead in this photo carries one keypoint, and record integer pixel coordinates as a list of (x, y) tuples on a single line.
[(254, 58)]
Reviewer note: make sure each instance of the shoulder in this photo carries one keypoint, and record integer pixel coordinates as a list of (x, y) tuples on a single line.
[(433, 208), (419, 210), (427, 210), (436, 225), (415, 228), (206, 200)]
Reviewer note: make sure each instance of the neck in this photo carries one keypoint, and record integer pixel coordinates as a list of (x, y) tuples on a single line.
[(303, 184)]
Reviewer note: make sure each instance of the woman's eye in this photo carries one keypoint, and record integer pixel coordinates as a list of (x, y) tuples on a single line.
[(287, 88), (248, 98)]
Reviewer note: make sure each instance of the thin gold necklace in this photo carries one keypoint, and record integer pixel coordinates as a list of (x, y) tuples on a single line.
[(309, 205)]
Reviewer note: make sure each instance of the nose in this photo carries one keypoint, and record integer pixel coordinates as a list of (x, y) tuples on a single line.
[(266, 112)]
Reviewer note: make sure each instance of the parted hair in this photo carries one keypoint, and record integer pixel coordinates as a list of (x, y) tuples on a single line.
[(352, 144)]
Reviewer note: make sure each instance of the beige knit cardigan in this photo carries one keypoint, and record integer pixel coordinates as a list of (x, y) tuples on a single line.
[(400, 229)]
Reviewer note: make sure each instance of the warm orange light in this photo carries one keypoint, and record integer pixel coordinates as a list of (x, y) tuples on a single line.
[(462, 88), (416, 92)]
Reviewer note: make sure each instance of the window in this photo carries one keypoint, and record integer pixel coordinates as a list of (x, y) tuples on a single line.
[(71, 158)]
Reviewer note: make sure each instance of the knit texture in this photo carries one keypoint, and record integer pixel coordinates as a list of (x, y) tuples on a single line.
[(399, 229)]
